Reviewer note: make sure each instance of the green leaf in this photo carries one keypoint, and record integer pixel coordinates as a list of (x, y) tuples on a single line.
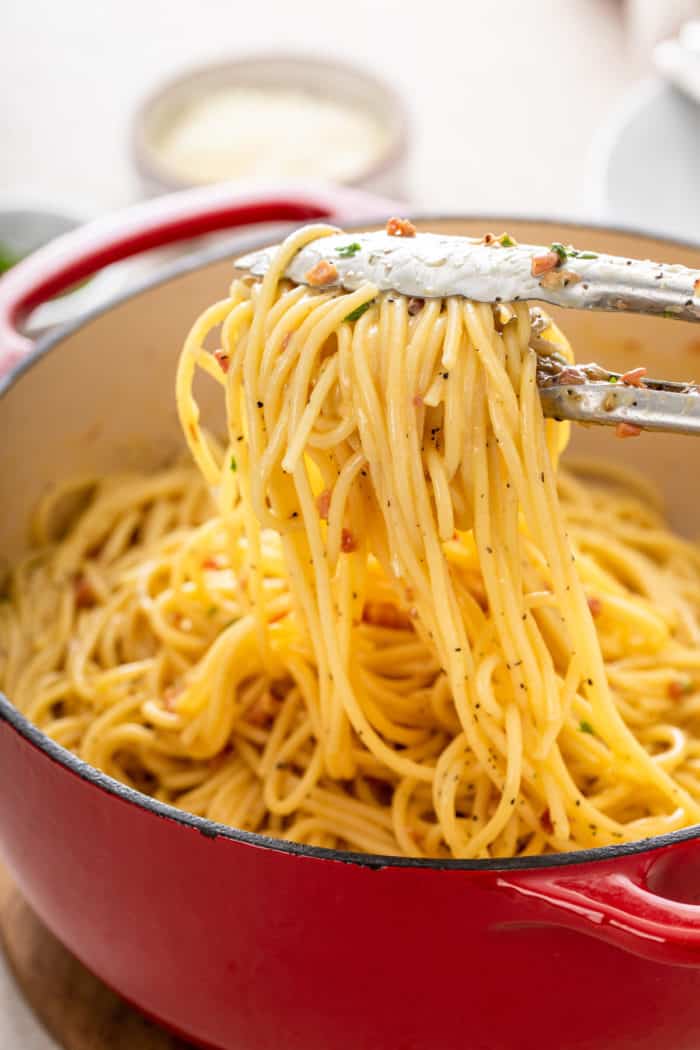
[(506, 240), (346, 251), (8, 258), (587, 255), (560, 250), (357, 313)]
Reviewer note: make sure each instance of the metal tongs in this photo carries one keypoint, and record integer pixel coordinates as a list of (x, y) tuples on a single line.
[(497, 270)]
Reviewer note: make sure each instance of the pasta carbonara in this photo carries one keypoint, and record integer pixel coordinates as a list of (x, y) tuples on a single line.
[(375, 615)]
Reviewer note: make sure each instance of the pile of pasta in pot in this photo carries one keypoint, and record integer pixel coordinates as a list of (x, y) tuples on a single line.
[(374, 616)]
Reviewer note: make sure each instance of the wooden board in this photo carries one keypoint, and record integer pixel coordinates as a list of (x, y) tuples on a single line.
[(78, 1010)]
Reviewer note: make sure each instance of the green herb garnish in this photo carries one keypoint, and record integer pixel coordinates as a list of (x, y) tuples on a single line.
[(560, 250), (506, 240), (346, 251), (565, 252), (357, 313), (586, 727), (612, 379), (233, 466)]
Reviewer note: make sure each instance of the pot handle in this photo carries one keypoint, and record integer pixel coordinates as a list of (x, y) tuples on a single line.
[(155, 223), (616, 907)]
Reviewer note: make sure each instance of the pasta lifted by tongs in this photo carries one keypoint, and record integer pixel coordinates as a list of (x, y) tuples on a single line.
[(496, 270)]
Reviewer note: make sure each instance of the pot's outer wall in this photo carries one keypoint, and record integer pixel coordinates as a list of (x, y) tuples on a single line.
[(249, 949), (245, 948)]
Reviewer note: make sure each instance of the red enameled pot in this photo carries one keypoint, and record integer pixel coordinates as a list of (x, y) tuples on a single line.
[(242, 943)]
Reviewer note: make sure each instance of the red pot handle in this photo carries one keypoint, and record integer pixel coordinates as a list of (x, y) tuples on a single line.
[(154, 223), (617, 907)]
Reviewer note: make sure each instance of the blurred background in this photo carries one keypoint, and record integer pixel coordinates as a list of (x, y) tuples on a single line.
[(540, 107), (576, 108)]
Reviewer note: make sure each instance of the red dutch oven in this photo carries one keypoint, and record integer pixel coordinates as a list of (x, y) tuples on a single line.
[(239, 942)]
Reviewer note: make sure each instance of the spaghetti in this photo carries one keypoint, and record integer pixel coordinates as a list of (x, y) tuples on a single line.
[(376, 616)]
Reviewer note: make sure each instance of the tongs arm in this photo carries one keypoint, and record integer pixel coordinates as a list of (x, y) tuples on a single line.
[(430, 265), (664, 406)]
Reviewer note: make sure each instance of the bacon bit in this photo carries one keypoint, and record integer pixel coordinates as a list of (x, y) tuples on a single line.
[(415, 305), (223, 360), (348, 543), (417, 400), (215, 562), (323, 272), (263, 710), (85, 597), (560, 279), (546, 822), (400, 228), (504, 240), (323, 504), (385, 614), (544, 263), (570, 377), (679, 688), (596, 607), (627, 430), (696, 287), (634, 377)]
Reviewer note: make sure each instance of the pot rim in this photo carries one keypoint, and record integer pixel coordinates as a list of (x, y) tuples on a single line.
[(212, 829)]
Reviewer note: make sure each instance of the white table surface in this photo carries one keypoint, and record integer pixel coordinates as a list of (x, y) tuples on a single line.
[(505, 97)]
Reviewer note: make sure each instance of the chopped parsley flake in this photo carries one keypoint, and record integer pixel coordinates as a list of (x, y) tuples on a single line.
[(346, 251), (560, 250), (564, 252), (506, 240), (233, 466), (586, 727), (357, 313)]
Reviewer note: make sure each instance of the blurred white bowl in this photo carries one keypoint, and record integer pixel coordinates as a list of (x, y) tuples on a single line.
[(644, 166), (336, 95)]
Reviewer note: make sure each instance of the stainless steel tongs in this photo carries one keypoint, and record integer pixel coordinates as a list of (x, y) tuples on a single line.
[(495, 270)]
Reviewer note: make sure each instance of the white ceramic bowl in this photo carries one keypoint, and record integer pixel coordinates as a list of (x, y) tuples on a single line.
[(645, 163), (328, 81)]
